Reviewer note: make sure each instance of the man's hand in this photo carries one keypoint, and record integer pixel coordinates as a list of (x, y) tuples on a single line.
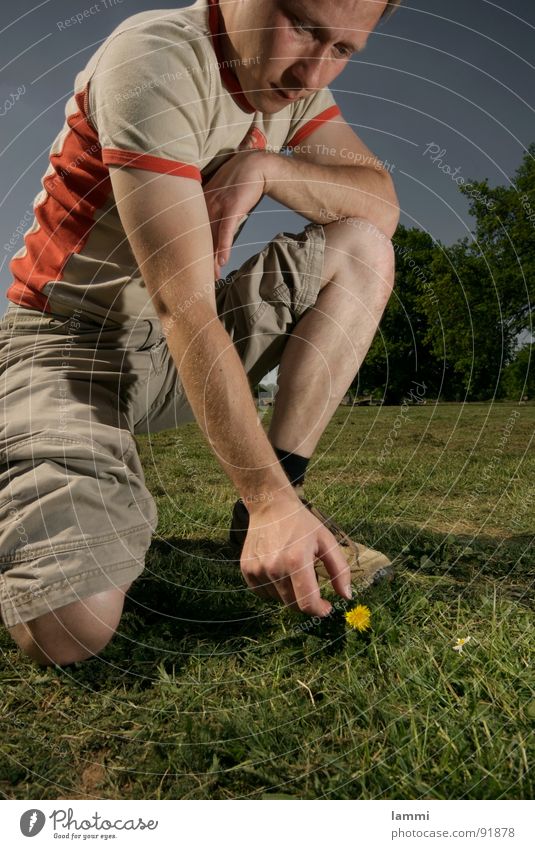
[(234, 190), (283, 541)]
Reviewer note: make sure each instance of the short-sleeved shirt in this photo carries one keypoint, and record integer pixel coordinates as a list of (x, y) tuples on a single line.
[(156, 95)]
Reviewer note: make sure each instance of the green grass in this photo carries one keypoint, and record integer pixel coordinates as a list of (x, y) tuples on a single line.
[(208, 692)]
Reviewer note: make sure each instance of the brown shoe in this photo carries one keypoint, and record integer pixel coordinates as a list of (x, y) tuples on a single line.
[(367, 566)]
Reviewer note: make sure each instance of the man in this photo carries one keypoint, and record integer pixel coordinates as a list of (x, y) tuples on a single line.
[(178, 126)]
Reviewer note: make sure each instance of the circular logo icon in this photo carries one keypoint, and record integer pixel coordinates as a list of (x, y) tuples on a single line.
[(31, 822)]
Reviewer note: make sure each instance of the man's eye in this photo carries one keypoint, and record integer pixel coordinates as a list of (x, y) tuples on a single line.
[(308, 29), (301, 26)]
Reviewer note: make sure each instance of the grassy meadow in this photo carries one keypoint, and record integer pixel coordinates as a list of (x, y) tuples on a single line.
[(207, 692)]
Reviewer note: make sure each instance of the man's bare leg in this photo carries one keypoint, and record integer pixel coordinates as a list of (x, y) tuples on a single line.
[(329, 343), (74, 632), (319, 363)]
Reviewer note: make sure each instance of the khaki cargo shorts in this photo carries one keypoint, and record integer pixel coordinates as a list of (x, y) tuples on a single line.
[(76, 517)]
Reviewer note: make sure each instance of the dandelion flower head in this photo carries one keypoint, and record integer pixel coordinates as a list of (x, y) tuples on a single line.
[(359, 618)]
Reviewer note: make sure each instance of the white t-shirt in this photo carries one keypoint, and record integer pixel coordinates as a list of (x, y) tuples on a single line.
[(157, 96)]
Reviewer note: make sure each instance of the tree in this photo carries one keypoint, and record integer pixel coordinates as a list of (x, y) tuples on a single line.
[(466, 328), (505, 235), (456, 313), (400, 355), (485, 287), (519, 376)]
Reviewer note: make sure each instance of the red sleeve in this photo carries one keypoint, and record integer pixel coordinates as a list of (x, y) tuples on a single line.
[(314, 124), (132, 159)]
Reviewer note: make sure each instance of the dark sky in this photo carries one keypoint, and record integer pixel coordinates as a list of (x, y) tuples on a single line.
[(458, 74)]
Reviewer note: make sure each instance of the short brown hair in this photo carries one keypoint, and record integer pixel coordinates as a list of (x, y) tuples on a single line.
[(390, 8)]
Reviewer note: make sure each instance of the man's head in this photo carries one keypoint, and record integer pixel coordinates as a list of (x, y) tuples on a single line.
[(284, 50)]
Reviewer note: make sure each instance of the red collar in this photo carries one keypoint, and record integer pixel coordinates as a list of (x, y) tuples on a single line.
[(230, 80)]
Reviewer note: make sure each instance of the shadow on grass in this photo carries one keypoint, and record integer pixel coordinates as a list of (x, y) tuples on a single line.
[(461, 554), (191, 600), (196, 586)]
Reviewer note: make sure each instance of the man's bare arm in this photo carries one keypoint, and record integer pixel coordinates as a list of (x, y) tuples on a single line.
[(316, 181), (167, 224), (323, 193), (336, 172)]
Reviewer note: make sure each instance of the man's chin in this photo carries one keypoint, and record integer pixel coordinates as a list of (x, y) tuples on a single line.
[(263, 97), (266, 103)]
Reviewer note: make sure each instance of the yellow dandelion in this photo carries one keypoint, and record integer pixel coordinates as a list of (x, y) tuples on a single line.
[(359, 618)]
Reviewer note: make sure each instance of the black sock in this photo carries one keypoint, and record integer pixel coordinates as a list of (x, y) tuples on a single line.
[(294, 465)]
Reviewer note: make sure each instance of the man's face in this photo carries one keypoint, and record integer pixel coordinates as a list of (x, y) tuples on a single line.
[(291, 48)]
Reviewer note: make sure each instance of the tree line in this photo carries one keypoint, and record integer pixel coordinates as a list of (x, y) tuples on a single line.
[(459, 321)]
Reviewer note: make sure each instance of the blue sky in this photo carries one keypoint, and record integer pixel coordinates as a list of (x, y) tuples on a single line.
[(455, 74)]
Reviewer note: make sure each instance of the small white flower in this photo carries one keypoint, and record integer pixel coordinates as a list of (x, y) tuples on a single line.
[(461, 642)]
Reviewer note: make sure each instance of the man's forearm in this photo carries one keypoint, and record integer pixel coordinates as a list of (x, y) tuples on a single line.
[(342, 190), (219, 394)]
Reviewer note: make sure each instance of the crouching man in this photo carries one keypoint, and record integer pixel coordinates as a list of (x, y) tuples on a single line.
[(120, 321)]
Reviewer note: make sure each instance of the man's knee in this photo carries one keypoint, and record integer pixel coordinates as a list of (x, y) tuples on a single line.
[(357, 241), (74, 632)]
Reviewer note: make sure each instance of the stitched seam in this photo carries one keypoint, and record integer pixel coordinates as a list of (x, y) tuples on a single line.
[(305, 298), (61, 440), (81, 576), (90, 542), (157, 361), (258, 313), (281, 291)]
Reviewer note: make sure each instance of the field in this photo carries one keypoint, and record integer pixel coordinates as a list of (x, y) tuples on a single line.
[(209, 692)]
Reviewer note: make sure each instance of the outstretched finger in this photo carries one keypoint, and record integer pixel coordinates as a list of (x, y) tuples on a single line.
[(307, 592), (330, 553)]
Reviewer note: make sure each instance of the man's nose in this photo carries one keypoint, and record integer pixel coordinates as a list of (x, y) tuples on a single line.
[(310, 72)]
